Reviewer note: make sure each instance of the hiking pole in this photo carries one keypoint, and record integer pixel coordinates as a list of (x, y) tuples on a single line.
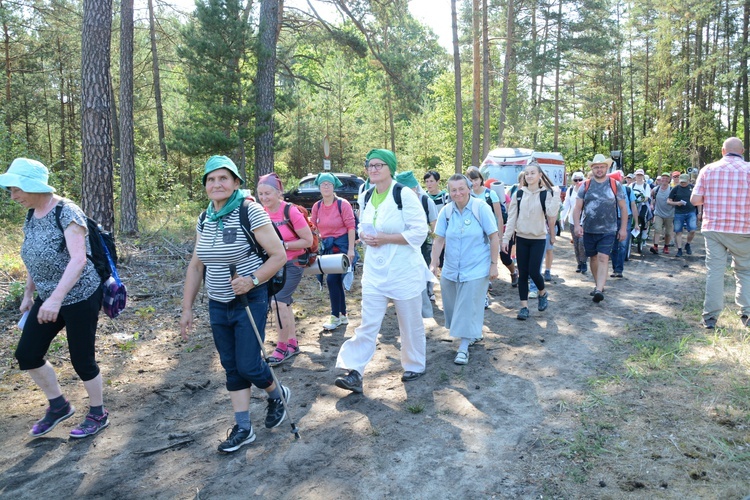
[(243, 299)]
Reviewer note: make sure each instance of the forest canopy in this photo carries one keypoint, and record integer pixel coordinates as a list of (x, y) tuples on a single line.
[(663, 82)]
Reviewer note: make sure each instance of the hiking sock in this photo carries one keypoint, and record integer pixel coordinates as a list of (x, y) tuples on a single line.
[(97, 410), (276, 393), (292, 343), (464, 344), (58, 404), (242, 418), (281, 346)]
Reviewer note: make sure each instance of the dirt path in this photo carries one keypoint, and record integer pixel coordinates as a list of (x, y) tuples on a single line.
[(493, 428)]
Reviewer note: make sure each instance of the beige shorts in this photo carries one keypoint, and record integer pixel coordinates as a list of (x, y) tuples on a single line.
[(663, 224)]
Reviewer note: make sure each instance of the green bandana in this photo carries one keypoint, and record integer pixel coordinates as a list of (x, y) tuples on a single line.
[(387, 156), (233, 202)]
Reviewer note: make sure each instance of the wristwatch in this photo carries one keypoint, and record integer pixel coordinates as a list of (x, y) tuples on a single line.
[(256, 281)]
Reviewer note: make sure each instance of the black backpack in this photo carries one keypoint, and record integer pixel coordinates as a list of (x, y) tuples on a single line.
[(276, 283), (488, 199), (100, 241)]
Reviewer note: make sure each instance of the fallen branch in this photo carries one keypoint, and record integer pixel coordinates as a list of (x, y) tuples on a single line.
[(164, 448)]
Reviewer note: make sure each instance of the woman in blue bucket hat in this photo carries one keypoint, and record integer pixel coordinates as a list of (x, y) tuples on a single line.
[(68, 295)]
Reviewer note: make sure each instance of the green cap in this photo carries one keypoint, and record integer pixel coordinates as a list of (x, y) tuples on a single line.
[(326, 177), (216, 162), (387, 156), (407, 179)]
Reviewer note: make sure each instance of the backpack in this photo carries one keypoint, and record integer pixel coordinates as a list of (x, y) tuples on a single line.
[(397, 187), (542, 200), (338, 204), (450, 207), (503, 210), (104, 258), (278, 280), (308, 258), (612, 184)]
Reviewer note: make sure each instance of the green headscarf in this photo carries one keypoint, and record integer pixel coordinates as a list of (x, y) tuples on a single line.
[(387, 156), (407, 179), (326, 177)]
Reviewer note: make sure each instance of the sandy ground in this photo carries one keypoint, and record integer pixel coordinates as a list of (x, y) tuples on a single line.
[(499, 427)]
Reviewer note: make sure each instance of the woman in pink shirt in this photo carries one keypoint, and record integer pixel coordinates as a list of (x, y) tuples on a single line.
[(334, 219), (297, 238)]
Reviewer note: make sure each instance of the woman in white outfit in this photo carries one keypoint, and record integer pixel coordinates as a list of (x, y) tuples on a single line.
[(394, 270)]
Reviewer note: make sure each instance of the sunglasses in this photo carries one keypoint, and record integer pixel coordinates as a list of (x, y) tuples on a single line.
[(577, 180)]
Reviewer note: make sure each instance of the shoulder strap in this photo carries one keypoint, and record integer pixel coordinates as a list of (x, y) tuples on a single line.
[(397, 195), (338, 203), (245, 223), (288, 219), (519, 195), (543, 200), (449, 207), (202, 219), (613, 185), (368, 194)]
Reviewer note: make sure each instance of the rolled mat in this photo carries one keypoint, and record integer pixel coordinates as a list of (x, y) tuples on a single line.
[(499, 188), (337, 263)]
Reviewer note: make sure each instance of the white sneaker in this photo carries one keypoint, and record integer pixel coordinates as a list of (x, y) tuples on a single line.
[(343, 319), (533, 294), (333, 323), (486, 301)]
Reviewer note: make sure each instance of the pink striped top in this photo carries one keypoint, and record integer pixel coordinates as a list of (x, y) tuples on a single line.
[(725, 187)]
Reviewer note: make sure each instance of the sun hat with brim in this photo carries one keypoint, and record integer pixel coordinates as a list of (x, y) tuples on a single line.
[(326, 177), (640, 171), (600, 159), (676, 172), (684, 178), (30, 176), (216, 162), (577, 175), (407, 179), (630, 176), (665, 173)]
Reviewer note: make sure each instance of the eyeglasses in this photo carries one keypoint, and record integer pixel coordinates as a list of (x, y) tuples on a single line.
[(577, 180), (375, 166)]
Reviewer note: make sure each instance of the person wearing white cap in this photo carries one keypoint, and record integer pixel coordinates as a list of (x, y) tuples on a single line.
[(641, 185), (68, 295)]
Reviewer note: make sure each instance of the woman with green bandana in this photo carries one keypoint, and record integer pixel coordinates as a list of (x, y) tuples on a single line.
[(334, 219), (220, 243), (394, 270)]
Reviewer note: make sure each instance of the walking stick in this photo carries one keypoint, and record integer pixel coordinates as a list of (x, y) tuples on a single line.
[(243, 299)]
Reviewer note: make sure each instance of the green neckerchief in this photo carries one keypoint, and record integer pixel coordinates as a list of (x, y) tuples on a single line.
[(233, 202)]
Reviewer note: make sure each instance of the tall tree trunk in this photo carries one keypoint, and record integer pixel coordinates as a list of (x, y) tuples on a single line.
[(128, 200), (743, 72), (389, 107), (157, 82), (485, 82), (8, 73), (506, 72), (114, 121), (457, 88), (265, 83), (96, 138), (62, 104), (47, 119), (476, 83), (558, 58)]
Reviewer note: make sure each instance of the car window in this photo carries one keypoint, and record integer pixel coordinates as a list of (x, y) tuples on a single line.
[(308, 186)]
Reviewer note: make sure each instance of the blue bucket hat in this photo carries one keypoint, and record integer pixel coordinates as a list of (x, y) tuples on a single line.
[(30, 176), (216, 162)]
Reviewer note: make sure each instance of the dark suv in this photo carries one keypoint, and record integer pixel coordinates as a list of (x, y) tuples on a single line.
[(307, 193)]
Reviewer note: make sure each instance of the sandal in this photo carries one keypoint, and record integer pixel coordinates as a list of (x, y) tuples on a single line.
[(462, 358), (277, 357)]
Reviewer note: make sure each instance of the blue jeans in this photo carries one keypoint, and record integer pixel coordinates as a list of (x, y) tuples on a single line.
[(336, 293), (236, 343), (620, 249)]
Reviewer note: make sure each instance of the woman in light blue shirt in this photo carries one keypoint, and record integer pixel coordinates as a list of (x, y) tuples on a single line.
[(467, 229)]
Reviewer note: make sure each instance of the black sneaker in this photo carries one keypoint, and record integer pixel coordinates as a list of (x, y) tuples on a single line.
[(745, 320), (584, 268), (688, 250), (708, 323), (352, 381), (276, 411), (237, 438), (598, 296)]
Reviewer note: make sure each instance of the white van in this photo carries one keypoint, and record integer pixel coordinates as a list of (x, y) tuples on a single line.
[(504, 165)]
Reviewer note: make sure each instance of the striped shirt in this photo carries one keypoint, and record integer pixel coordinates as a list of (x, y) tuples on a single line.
[(725, 187), (216, 249)]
